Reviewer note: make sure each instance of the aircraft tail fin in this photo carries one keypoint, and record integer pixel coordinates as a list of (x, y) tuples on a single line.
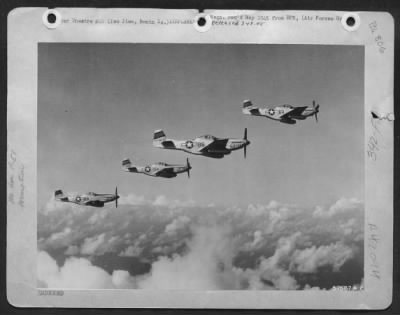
[(159, 135), (58, 193), (126, 163), (128, 167), (247, 103)]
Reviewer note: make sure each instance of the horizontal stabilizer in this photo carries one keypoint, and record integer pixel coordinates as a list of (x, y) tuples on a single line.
[(132, 169), (255, 111)]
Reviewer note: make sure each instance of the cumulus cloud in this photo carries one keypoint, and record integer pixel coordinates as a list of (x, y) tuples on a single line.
[(203, 267), (310, 259), (132, 199), (159, 201), (272, 272), (98, 216), (177, 224), (121, 279), (91, 244), (280, 278), (257, 247), (60, 235), (258, 240), (208, 265), (163, 201), (59, 239), (79, 273), (132, 251), (72, 250), (341, 206)]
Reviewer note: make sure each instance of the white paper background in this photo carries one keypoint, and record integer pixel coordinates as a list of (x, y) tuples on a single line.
[(26, 29)]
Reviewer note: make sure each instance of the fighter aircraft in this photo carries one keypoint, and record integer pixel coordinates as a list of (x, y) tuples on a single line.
[(284, 113), (88, 199), (159, 169), (206, 145)]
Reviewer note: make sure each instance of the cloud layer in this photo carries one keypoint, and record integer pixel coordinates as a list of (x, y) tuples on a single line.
[(164, 244)]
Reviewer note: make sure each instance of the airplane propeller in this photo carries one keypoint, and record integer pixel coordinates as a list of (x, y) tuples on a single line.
[(188, 167), (316, 110), (116, 197), (247, 142)]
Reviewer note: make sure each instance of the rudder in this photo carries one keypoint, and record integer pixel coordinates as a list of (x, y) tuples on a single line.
[(58, 193), (126, 163)]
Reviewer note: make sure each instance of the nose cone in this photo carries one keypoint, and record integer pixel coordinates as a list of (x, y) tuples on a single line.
[(247, 142)]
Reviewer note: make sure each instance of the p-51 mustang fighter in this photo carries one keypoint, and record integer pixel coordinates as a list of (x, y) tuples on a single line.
[(89, 199), (159, 169), (207, 145), (284, 113)]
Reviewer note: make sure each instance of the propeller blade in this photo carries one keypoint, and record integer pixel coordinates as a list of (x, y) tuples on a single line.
[(313, 103), (316, 108), (246, 144), (188, 167), (116, 197)]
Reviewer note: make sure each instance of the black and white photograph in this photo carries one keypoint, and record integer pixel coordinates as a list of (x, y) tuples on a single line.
[(244, 162), (255, 156)]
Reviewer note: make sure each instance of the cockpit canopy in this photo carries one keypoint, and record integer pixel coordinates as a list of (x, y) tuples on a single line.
[(207, 137), (90, 193), (287, 106), (162, 163)]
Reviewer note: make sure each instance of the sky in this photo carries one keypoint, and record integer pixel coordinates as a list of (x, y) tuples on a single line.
[(100, 103)]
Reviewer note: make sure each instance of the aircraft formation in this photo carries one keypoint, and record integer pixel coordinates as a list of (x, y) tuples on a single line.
[(206, 145)]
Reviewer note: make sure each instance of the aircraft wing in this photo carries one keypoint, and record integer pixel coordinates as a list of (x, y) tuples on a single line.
[(166, 172), (217, 146), (94, 203), (297, 111)]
